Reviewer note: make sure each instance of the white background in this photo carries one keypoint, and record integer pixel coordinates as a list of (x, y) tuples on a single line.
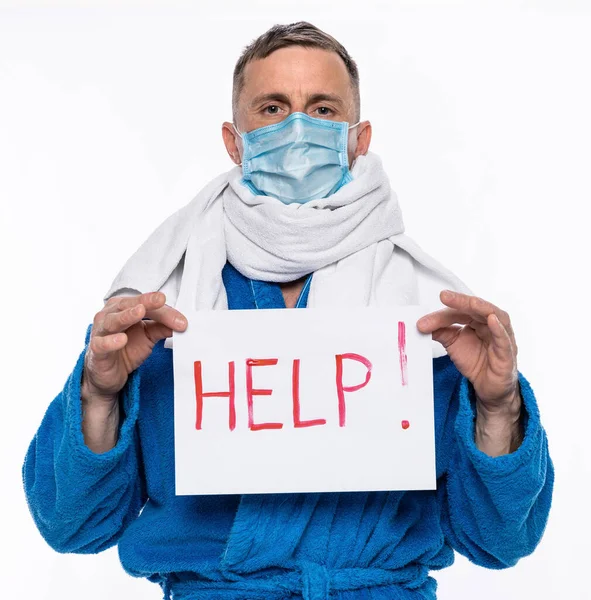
[(110, 120)]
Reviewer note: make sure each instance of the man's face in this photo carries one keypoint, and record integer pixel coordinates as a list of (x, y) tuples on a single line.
[(296, 79)]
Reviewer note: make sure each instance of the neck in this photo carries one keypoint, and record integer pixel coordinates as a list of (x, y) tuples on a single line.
[(291, 291)]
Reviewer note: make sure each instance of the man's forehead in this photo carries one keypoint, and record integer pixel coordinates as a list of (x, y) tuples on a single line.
[(297, 69)]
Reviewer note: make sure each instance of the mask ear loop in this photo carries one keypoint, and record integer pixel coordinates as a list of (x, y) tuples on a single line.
[(353, 127), (239, 135)]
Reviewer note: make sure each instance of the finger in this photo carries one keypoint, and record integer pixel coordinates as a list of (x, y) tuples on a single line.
[(151, 300), (108, 308), (120, 303), (502, 346), (168, 316), (121, 320), (102, 346), (481, 329), (442, 318), (447, 335), (472, 305), (157, 331), (154, 309)]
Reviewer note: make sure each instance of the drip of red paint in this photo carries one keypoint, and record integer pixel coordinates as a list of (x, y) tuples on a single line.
[(405, 424), (402, 352)]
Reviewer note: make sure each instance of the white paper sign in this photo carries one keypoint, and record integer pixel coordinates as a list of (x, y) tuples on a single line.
[(310, 400)]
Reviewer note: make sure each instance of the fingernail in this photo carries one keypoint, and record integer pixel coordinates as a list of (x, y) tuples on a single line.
[(449, 293), (180, 321), (155, 297)]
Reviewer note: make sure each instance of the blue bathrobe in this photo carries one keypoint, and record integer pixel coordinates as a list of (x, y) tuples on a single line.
[(346, 546)]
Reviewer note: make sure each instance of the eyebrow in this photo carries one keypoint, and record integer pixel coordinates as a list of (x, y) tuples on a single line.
[(283, 98), (314, 98)]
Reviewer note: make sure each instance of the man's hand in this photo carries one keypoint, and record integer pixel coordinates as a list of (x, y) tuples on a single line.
[(480, 341), (120, 342)]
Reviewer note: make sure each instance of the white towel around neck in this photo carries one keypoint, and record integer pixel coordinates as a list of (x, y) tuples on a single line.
[(353, 241)]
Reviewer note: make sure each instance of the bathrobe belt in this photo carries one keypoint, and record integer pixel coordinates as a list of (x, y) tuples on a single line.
[(309, 580)]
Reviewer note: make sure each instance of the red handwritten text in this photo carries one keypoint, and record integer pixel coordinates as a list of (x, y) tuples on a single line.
[(252, 392), (341, 389), (200, 394)]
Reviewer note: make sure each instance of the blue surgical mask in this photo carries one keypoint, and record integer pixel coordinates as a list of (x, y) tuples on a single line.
[(296, 160)]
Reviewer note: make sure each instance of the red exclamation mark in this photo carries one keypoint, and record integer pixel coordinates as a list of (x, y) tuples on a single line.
[(403, 361), (402, 352)]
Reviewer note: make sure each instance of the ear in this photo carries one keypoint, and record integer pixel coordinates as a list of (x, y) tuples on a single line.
[(233, 142), (363, 139)]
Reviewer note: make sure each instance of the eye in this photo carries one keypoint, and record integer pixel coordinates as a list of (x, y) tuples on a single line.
[(272, 109), (324, 111)]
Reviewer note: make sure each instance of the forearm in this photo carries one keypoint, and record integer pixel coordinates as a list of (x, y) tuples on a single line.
[(81, 498), (499, 432), (495, 508), (100, 421)]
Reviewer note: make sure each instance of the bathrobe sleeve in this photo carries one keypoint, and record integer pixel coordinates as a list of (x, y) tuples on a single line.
[(81, 501), (494, 510)]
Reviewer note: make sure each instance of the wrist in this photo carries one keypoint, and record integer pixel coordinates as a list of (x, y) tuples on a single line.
[(93, 398), (100, 422), (503, 410), (499, 429)]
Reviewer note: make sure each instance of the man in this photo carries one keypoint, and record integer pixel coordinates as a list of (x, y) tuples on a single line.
[(308, 220)]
